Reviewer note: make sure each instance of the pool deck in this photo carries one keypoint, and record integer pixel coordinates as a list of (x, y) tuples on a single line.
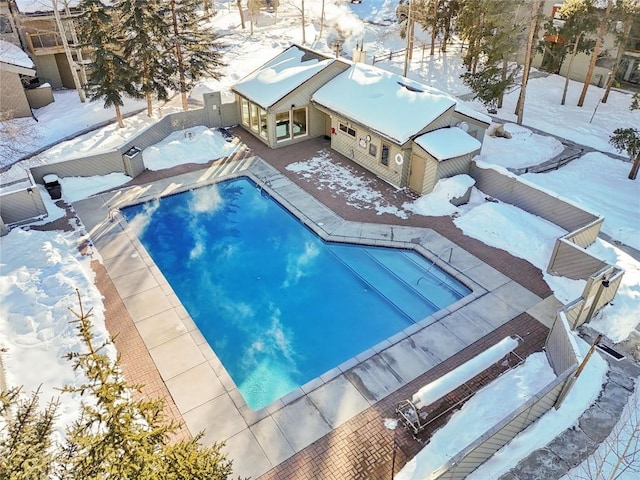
[(332, 427)]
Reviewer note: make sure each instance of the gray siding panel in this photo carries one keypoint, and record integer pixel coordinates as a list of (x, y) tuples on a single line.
[(483, 448), (98, 164), (585, 236), (571, 262), (39, 97), (512, 190), (560, 352), (13, 100), (153, 134), (21, 205)]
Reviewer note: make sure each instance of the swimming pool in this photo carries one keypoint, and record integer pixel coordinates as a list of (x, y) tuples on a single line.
[(278, 305)]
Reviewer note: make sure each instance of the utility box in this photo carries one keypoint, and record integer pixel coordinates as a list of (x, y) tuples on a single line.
[(52, 184), (133, 163)]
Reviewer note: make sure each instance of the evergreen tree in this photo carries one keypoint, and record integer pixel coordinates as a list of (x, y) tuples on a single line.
[(635, 102), (148, 48), (122, 435), (25, 437), (578, 19), (197, 50), (495, 45), (628, 139), (110, 75)]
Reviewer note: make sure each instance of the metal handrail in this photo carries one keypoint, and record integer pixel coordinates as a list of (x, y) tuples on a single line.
[(439, 257)]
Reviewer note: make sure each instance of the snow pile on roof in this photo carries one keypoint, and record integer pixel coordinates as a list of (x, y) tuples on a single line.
[(446, 143), (13, 55), (393, 106), (280, 76)]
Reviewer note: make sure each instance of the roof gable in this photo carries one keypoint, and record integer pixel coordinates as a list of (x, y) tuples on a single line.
[(388, 103), (281, 75), (14, 55)]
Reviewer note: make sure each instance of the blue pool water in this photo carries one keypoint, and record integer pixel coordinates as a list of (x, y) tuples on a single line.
[(278, 305)]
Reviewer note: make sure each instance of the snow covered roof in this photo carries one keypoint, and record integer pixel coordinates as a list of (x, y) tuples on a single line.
[(281, 75), (464, 109), (32, 6), (390, 104), (14, 55), (446, 143)]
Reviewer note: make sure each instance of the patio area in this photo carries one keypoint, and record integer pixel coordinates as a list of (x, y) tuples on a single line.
[(344, 410)]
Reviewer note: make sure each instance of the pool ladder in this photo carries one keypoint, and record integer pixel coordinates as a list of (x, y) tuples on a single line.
[(439, 257), (266, 182)]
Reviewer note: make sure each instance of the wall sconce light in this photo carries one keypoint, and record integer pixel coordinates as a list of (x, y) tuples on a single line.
[(605, 283), (30, 190), (293, 105)]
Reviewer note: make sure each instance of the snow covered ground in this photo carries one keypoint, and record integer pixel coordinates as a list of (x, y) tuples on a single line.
[(39, 271)]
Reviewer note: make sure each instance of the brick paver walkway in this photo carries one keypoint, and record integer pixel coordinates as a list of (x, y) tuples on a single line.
[(362, 448)]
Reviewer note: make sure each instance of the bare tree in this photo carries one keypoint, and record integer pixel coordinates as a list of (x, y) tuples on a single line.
[(299, 5), (533, 31), (596, 50), (619, 454), (18, 136), (628, 11), (241, 13)]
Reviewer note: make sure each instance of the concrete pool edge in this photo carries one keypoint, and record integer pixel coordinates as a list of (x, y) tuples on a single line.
[(224, 415)]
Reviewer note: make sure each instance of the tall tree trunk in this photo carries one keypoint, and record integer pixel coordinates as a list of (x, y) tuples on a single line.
[(67, 51), (621, 47), (533, 30), (503, 77), (434, 23), (412, 31), (119, 116), (179, 58), (596, 50), (149, 104), (304, 33), (321, 20), (447, 34), (239, 2), (566, 80), (207, 6), (409, 42), (634, 168)]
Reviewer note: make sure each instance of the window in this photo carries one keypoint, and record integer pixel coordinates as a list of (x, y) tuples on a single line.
[(291, 124), (282, 126), (299, 122), (263, 123), (346, 129), (254, 117), (244, 106), (384, 157), (373, 150)]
